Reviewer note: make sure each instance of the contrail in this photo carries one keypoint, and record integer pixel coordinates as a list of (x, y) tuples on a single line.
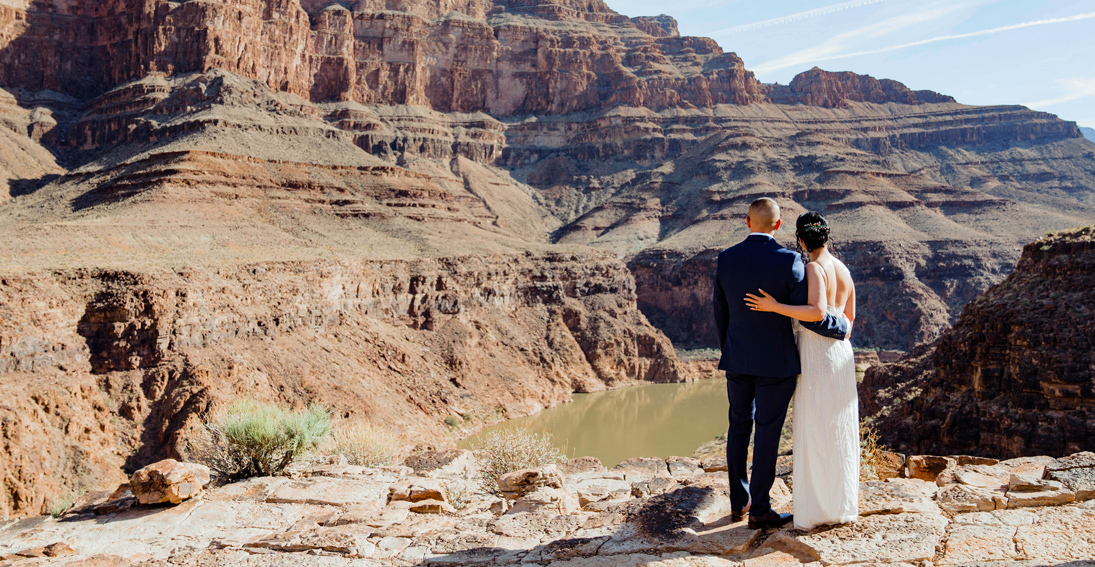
[(795, 17), (1074, 18)]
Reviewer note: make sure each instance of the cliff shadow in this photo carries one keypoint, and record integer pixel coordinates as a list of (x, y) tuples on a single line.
[(23, 187)]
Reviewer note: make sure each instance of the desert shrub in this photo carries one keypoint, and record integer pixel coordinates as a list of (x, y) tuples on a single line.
[(871, 453), (58, 508), (460, 495), (508, 450), (363, 444), (260, 439)]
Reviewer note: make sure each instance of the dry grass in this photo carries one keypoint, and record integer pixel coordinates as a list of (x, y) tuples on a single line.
[(508, 450), (363, 443), (871, 453)]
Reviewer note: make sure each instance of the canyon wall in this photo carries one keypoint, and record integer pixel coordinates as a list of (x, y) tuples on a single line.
[(107, 370), (412, 210), (1016, 374)]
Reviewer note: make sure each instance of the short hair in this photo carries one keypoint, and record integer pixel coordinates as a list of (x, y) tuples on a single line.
[(763, 214), (813, 229)]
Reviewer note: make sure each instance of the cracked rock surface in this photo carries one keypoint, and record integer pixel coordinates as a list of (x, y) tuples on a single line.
[(338, 515)]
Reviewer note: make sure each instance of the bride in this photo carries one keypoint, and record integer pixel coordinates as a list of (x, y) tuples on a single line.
[(826, 408)]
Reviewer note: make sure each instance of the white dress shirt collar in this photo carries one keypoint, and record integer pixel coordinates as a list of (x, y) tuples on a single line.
[(762, 234)]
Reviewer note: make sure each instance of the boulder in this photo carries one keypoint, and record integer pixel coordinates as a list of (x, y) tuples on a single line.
[(418, 489), (683, 466), (928, 467), (516, 484), (449, 462), (169, 481), (432, 507), (714, 464), (547, 499), (639, 469), (600, 489), (1076, 473), (582, 465)]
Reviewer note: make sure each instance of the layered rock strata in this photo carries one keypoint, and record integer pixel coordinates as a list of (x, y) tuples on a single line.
[(662, 513), (1016, 374), (106, 371)]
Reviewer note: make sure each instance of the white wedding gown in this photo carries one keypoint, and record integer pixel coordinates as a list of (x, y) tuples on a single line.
[(826, 431)]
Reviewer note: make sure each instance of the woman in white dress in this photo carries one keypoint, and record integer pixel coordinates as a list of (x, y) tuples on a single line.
[(826, 406)]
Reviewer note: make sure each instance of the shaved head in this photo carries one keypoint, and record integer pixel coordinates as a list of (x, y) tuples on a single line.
[(763, 215)]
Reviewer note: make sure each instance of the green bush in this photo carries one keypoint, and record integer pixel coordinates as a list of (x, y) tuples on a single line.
[(507, 450), (261, 439)]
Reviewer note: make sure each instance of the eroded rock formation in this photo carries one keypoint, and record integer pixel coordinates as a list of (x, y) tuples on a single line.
[(106, 371), (1014, 377)]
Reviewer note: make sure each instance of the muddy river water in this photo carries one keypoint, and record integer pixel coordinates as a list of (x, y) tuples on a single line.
[(653, 420)]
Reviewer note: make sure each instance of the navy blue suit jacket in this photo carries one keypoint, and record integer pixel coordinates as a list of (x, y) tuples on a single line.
[(755, 342)]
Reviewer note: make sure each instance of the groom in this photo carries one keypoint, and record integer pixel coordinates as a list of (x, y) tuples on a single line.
[(759, 356)]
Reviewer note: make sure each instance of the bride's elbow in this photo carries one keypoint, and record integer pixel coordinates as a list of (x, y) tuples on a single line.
[(815, 316)]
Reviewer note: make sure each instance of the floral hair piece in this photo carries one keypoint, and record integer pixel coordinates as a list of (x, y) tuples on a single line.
[(814, 226)]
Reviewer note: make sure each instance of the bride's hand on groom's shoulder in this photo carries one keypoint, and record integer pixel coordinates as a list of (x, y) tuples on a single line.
[(762, 302)]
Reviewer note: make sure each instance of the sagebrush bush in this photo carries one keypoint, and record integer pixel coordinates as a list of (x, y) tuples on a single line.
[(364, 444), (261, 439), (508, 450)]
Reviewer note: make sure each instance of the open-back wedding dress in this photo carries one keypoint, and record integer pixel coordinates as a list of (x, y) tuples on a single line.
[(826, 431)]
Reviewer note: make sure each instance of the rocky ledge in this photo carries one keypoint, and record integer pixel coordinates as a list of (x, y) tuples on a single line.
[(673, 512)]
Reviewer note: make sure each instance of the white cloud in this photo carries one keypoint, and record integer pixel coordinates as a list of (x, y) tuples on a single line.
[(1075, 89), (796, 17), (832, 48), (825, 52)]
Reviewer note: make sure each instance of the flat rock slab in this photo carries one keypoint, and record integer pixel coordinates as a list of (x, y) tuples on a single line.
[(647, 560), (967, 543), (1060, 534), (1020, 499), (883, 538), (344, 540), (718, 540), (897, 496), (962, 498), (323, 491)]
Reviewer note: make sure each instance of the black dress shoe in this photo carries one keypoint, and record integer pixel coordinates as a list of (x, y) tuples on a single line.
[(769, 519)]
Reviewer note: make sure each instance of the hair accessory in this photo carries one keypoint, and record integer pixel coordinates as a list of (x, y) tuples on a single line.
[(814, 226)]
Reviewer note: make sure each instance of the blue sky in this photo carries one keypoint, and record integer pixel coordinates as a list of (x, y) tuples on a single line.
[(1040, 54)]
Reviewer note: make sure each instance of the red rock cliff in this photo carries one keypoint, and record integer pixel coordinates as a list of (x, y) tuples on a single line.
[(1016, 374)]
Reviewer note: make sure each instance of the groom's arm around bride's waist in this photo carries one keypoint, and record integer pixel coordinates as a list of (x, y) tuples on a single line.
[(831, 326)]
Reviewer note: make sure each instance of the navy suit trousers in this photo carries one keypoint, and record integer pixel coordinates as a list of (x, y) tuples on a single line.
[(762, 400)]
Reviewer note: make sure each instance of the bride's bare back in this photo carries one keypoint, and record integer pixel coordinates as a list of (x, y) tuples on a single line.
[(842, 293)]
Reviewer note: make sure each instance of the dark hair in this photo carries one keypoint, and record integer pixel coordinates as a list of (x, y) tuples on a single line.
[(813, 229)]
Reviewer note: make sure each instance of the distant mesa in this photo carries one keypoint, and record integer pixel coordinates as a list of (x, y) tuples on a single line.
[(1088, 133)]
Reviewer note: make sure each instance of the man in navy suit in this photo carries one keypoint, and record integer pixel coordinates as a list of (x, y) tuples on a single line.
[(760, 356)]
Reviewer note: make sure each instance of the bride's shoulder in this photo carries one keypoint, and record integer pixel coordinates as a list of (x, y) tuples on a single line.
[(841, 269)]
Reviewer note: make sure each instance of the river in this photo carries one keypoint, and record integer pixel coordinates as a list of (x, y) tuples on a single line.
[(652, 420)]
